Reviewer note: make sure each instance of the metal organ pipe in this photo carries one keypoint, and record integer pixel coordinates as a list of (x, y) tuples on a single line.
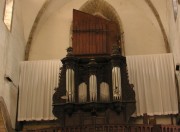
[(104, 92), (72, 78), (70, 85), (82, 92), (67, 86), (116, 83), (93, 88)]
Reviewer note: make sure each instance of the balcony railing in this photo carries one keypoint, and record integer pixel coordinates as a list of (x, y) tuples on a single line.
[(112, 128)]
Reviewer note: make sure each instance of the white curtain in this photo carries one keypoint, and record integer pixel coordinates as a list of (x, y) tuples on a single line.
[(82, 92), (104, 92), (178, 83), (153, 77), (36, 87)]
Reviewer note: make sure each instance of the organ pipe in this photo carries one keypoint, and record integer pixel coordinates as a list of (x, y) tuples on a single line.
[(82, 92), (70, 85), (116, 83), (93, 88), (104, 92)]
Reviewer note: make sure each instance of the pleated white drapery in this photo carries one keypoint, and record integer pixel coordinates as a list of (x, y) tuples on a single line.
[(70, 85), (36, 87), (116, 83), (153, 77)]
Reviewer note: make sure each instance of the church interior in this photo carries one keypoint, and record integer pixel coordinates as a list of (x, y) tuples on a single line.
[(90, 65)]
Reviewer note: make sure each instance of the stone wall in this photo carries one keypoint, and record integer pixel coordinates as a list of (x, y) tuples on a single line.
[(12, 47)]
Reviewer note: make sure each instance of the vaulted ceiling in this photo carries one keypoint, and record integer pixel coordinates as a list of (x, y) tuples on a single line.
[(135, 15)]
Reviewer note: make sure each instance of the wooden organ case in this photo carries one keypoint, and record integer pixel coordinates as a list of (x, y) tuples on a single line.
[(93, 82)]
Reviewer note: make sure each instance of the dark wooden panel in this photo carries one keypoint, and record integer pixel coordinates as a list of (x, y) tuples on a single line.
[(92, 34)]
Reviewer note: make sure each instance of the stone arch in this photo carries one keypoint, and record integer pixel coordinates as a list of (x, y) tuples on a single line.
[(34, 27), (155, 12), (87, 9)]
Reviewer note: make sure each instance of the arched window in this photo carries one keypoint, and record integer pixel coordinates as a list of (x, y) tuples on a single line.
[(8, 13)]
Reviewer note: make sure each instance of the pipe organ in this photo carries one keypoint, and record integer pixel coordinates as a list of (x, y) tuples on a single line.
[(93, 80)]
